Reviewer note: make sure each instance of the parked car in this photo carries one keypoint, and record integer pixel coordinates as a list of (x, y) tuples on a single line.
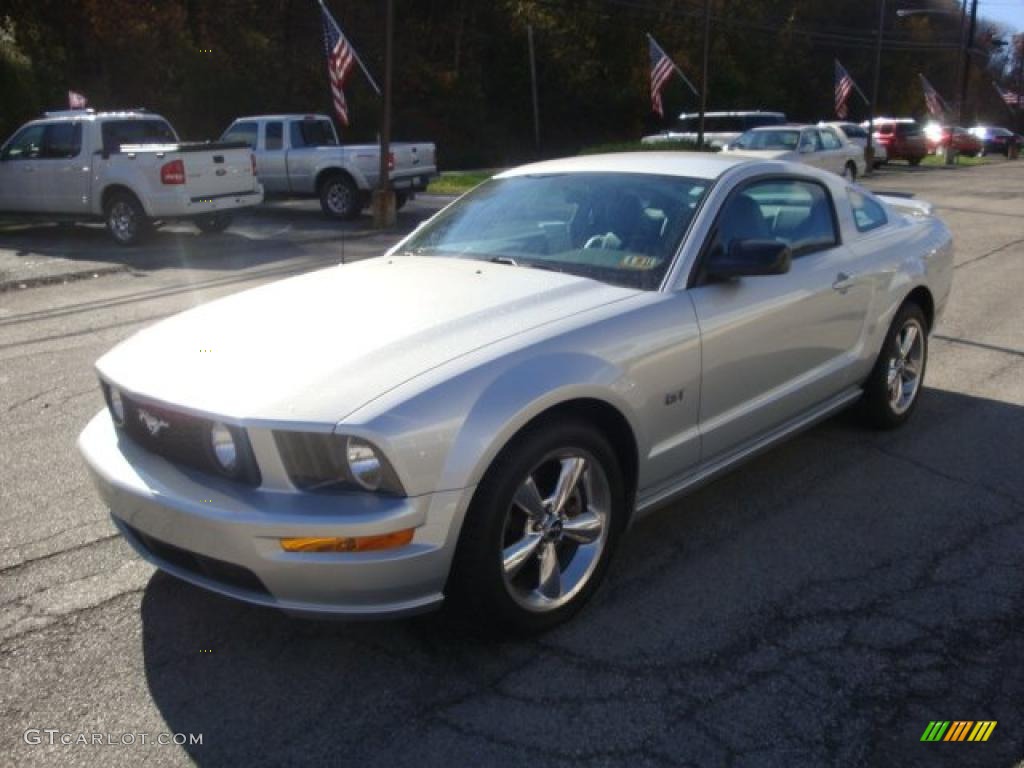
[(855, 134), (996, 140), (939, 138), (720, 128), (300, 156), (128, 169), (820, 146), (902, 139), (564, 349)]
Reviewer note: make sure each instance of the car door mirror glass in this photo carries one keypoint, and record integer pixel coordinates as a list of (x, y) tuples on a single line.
[(750, 258)]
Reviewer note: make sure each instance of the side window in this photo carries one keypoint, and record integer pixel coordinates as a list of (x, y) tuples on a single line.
[(809, 142), (829, 140), (27, 144), (274, 136), (62, 140), (245, 132), (798, 213), (295, 134), (867, 213)]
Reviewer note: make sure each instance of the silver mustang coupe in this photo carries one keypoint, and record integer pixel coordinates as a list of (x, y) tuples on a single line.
[(481, 412)]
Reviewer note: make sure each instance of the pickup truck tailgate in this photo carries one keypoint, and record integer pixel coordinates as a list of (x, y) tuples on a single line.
[(209, 173), (411, 157)]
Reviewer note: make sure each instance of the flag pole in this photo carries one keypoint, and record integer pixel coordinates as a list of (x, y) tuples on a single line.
[(855, 86), (355, 55)]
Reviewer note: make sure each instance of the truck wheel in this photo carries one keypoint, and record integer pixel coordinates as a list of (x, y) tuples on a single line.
[(213, 223), (127, 222), (339, 197)]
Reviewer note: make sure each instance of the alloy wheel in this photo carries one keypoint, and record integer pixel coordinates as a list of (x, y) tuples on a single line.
[(905, 366), (555, 530), (123, 222)]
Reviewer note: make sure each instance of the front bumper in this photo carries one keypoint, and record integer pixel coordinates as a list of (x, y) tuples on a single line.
[(225, 537)]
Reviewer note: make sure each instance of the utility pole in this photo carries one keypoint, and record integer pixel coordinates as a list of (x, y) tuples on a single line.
[(533, 87), (961, 56), (704, 73), (869, 151), (384, 213), (968, 44)]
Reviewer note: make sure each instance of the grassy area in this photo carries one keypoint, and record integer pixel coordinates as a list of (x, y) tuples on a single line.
[(637, 146), (457, 182), (961, 160)]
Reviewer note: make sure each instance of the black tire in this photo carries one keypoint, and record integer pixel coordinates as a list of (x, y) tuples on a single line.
[(851, 171), (401, 198), (339, 197), (877, 406), (126, 220), (914, 160), (478, 586), (213, 223)]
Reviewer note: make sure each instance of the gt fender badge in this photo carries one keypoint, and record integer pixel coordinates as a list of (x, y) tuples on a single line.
[(151, 422), (674, 397)]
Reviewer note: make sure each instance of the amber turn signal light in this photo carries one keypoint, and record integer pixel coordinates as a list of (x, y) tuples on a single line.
[(346, 544)]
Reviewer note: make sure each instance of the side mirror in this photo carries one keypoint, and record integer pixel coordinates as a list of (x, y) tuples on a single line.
[(751, 258)]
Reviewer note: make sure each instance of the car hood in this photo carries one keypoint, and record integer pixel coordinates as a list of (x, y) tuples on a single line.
[(315, 348)]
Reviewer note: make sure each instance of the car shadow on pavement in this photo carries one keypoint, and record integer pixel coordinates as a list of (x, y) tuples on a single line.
[(818, 606)]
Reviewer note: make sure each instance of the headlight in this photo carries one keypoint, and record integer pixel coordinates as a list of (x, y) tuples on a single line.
[(363, 463), (116, 405), (328, 462), (225, 450)]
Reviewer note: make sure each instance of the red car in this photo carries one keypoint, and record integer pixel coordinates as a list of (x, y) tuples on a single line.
[(902, 139), (940, 137)]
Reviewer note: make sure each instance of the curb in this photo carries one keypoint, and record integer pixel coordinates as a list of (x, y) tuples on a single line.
[(62, 277)]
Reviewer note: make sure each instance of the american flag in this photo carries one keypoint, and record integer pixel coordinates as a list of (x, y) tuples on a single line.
[(340, 60), (76, 100), (844, 85), (1011, 98), (661, 70), (936, 106)]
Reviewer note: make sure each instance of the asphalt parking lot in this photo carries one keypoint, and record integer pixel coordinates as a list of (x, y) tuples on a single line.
[(818, 606)]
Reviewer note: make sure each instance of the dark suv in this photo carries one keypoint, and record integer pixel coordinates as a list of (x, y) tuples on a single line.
[(902, 139)]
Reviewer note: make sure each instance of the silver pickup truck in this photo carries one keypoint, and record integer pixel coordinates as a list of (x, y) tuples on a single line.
[(300, 156), (128, 168)]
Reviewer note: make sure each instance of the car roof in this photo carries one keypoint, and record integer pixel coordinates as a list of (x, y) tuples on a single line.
[(285, 116), (783, 127), (90, 115), (741, 113), (700, 165)]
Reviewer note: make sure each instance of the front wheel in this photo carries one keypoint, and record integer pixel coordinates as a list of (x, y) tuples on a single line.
[(212, 223), (541, 529), (894, 385), (126, 220), (850, 172)]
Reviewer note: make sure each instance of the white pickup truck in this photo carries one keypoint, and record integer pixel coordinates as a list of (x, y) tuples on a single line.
[(127, 168), (300, 156)]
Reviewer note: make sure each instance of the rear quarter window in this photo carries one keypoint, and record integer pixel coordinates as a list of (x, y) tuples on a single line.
[(868, 214)]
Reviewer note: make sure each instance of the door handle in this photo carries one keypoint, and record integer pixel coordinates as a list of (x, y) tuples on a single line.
[(843, 283)]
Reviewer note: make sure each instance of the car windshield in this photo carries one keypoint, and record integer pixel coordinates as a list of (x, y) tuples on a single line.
[(620, 228), (769, 140)]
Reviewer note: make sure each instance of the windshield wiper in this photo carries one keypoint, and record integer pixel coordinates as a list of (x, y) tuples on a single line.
[(504, 260)]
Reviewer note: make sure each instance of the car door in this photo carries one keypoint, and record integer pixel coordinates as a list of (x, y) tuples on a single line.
[(810, 148), (271, 162), (18, 188), (776, 346), (62, 173), (833, 154)]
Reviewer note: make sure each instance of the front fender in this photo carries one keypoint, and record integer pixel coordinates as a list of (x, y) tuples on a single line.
[(522, 393)]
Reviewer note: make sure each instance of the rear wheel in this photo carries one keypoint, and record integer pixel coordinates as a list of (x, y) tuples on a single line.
[(401, 198), (893, 388), (914, 160), (213, 223), (541, 529), (850, 171), (339, 197), (126, 220)]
